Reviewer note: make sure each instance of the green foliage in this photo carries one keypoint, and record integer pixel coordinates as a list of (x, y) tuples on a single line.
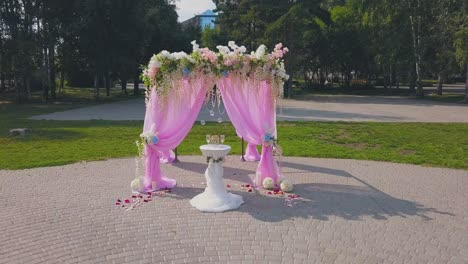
[(87, 41), (212, 37), (461, 46)]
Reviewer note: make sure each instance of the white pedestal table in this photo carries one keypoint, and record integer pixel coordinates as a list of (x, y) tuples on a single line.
[(215, 198)]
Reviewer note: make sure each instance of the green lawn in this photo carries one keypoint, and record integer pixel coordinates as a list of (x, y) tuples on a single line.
[(63, 142)]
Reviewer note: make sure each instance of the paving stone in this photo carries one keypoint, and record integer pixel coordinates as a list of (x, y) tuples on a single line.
[(355, 212)]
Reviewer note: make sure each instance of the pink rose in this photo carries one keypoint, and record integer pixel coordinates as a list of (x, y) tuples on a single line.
[(278, 46)]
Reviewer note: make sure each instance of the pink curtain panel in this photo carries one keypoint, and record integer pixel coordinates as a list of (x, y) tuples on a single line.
[(251, 153), (166, 156), (171, 120), (251, 108)]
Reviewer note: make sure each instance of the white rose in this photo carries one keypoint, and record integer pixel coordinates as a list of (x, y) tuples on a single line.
[(154, 63), (165, 54), (189, 58), (195, 46)]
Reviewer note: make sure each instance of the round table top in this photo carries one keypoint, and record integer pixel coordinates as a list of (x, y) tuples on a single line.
[(215, 150)]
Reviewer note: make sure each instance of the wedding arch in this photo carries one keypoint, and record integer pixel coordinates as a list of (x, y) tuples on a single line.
[(180, 83)]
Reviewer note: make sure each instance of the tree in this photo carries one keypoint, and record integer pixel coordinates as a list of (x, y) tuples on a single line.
[(461, 46)]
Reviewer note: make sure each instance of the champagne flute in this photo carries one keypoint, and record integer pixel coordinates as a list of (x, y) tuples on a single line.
[(208, 138), (222, 138)]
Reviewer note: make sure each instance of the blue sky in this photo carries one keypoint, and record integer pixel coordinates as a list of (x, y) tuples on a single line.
[(188, 8)]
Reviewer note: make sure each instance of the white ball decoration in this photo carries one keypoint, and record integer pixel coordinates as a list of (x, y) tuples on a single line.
[(279, 181), (268, 183), (137, 185), (286, 186)]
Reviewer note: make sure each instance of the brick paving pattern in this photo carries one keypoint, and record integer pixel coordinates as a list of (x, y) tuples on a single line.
[(356, 212)]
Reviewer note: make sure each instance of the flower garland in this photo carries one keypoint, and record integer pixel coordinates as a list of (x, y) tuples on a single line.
[(214, 160), (165, 70), (269, 140)]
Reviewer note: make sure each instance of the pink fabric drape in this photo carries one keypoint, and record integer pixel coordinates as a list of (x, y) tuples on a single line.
[(166, 156), (171, 121), (251, 153), (252, 112)]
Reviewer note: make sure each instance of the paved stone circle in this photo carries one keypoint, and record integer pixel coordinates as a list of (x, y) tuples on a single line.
[(356, 212)]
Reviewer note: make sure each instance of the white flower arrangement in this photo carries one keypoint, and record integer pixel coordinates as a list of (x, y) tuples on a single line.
[(149, 138), (137, 185), (165, 68), (286, 186)]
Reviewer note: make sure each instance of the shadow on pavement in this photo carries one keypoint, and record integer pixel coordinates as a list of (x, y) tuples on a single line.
[(322, 201)]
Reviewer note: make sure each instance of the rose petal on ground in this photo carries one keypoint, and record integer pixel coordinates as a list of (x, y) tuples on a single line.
[(127, 201)]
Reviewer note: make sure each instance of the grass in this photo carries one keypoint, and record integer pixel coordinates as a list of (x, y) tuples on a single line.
[(79, 96), (63, 142), (335, 90), (447, 98)]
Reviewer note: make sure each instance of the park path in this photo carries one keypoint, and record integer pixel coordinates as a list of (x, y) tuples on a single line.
[(317, 108), (355, 212)]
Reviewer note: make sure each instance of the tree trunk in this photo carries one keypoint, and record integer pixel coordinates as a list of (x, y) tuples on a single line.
[(107, 82), (348, 79), (385, 81), (417, 57), (45, 81), (412, 83), (96, 86), (17, 89), (466, 84), (2, 71), (123, 85), (136, 85), (2, 80), (440, 82), (62, 82), (27, 87), (52, 71)]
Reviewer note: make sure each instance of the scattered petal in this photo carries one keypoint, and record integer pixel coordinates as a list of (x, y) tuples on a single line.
[(134, 196), (117, 203), (228, 186), (270, 193), (247, 185), (250, 190), (127, 201)]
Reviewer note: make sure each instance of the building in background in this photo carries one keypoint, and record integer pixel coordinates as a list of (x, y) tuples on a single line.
[(203, 20)]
